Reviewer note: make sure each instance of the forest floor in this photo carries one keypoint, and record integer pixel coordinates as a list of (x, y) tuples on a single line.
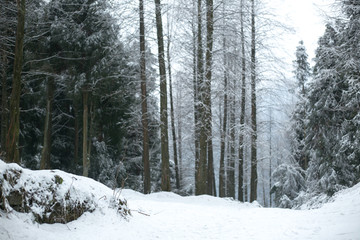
[(169, 216)]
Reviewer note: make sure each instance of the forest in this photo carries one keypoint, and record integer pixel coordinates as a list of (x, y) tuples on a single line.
[(188, 96)]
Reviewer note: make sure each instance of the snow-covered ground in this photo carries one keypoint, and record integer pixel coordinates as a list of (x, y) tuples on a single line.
[(169, 216)]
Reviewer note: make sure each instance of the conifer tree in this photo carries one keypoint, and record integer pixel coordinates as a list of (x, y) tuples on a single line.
[(302, 73)]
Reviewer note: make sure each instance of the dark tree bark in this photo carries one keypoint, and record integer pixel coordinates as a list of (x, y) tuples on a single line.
[(201, 168), (231, 168), (254, 177), (207, 94), (165, 169), (86, 158), (12, 140), (242, 114), (46, 151), (222, 173), (144, 108), (76, 135), (4, 102), (179, 138)]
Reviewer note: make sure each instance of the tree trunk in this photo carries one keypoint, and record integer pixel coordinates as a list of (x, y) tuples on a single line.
[(144, 116), (12, 140), (254, 177), (179, 139), (4, 103), (173, 130), (211, 174), (196, 105), (207, 93), (201, 173), (165, 169), (46, 151), (76, 136), (270, 157), (86, 159), (231, 170), (242, 114), (222, 173)]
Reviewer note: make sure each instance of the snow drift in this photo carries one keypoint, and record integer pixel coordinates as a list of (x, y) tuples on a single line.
[(52, 196), (169, 216)]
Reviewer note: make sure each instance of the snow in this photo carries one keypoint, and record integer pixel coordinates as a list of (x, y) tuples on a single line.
[(169, 216)]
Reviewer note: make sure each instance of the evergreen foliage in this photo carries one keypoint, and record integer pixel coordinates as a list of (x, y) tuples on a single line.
[(75, 43), (289, 182), (302, 74), (333, 107)]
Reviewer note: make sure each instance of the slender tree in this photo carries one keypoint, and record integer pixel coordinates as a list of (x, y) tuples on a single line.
[(7, 40), (231, 157), (201, 168), (196, 77), (222, 175), (45, 154), (4, 101), (85, 152), (207, 95), (165, 174), (144, 108), (172, 116), (12, 141), (242, 105), (254, 177)]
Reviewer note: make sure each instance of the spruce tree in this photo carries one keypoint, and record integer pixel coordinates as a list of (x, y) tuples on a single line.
[(302, 74)]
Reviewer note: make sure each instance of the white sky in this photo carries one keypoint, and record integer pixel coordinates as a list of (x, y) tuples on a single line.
[(308, 18)]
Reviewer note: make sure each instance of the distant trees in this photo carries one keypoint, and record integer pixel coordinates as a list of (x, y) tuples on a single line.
[(89, 98)]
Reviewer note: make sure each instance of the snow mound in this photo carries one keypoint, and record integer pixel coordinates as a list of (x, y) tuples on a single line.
[(169, 216), (53, 195)]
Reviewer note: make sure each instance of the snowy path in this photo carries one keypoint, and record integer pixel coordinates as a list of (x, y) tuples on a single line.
[(203, 217)]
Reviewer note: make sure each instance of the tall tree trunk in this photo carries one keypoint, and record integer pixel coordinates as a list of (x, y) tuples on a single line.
[(201, 173), (172, 115), (211, 174), (46, 151), (180, 152), (254, 177), (270, 157), (12, 140), (196, 105), (165, 169), (222, 175), (231, 170), (144, 116), (86, 159), (207, 93), (179, 139), (76, 135), (242, 114), (4, 103)]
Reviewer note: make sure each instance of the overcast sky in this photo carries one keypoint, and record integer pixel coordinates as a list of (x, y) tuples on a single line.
[(308, 18)]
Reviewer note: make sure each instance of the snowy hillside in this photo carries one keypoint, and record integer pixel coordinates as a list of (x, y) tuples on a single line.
[(169, 216)]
